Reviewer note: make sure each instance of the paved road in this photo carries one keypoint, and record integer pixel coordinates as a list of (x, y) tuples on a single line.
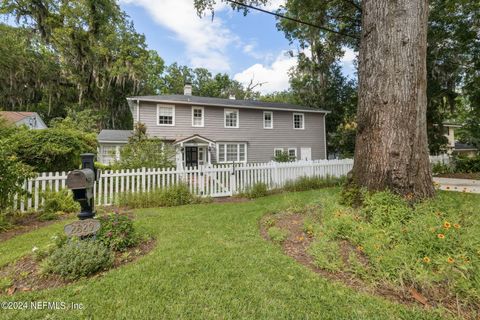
[(461, 185)]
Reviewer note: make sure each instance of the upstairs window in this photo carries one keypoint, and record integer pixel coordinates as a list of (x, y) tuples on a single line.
[(298, 121), (267, 120), (198, 116), (165, 115), (231, 118)]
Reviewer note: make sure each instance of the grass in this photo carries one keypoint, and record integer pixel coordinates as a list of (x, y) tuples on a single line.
[(433, 246), (210, 263)]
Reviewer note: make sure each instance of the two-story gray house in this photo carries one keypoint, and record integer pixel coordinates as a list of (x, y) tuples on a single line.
[(213, 130)]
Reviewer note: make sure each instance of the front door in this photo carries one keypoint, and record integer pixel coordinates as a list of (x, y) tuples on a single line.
[(306, 154), (191, 156)]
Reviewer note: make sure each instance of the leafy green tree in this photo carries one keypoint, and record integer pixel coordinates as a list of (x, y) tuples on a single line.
[(53, 149), (85, 121), (144, 152), (92, 54), (12, 175)]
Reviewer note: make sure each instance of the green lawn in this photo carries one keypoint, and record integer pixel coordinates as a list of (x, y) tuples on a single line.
[(209, 263)]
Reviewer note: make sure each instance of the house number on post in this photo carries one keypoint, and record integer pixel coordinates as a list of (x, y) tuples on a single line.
[(82, 228)]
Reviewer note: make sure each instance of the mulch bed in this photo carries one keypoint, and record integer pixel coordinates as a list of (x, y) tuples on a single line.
[(25, 273), (296, 246), (470, 176)]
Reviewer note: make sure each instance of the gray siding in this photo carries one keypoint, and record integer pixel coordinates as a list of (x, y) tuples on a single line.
[(260, 142)]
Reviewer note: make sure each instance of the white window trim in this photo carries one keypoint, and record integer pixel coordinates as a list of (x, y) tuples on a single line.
[(303, 120), (173, 115), (295, 149), (225, 118), (271, 116), (275, 151), (225, 152), (203, 116)]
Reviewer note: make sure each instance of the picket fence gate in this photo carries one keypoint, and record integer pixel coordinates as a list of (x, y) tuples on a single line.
[(214, 181)]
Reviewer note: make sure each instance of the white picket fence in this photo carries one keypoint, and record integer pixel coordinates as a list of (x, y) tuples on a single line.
[(213, 181), (442, 158)]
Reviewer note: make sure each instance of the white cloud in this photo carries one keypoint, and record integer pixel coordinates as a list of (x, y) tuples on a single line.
[(273, 5), (206, 41), (274, 76), (348, 62)]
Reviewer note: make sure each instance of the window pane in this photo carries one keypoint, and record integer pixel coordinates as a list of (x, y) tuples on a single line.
[(231, 118), (221, 152), (292, 153), (232, 152), (197, 117), (298, 121), (165, 115), (242, 152), (267, 120), (278, 152)]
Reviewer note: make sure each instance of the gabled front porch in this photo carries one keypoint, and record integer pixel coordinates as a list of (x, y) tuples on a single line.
[(194, 151)]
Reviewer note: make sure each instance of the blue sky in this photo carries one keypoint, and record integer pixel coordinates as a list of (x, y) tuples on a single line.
[(245, 47)]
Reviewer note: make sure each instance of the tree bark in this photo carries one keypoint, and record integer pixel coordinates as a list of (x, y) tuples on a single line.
[(391, 149)]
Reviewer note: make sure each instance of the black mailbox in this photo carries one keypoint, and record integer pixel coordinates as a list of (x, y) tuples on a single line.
[(81, 182)]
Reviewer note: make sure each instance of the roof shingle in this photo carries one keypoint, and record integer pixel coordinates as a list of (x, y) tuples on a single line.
[(225, 102)]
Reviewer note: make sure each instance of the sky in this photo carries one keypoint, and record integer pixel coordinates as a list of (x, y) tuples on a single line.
[(245, 47)]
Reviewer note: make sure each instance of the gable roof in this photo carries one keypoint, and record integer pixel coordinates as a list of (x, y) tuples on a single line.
[(220, 102), (195, 136), (114, 136), (15, 116)]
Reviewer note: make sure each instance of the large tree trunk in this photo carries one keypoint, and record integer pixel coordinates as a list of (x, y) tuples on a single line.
[(391, 150)]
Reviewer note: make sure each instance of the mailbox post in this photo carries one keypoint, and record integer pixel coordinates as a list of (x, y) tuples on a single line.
[(81, 183)]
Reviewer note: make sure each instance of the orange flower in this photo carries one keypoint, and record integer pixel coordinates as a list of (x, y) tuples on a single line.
[(456, 226), (450, 260), (360, 248), (440, 236), (426, 259), (447, 225)]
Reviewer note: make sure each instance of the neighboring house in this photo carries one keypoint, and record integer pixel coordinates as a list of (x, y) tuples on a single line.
[(30, 119), (213, 130), (109, 144), (454, 146)]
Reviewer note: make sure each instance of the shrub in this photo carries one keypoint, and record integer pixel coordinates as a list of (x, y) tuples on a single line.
[(441, 168), (352, 195), (58, 201), (467, 165), (385, 208), (12, 175), (52, 149), (277, 235), (117, 232), (143, 151), (311, 183), (256, 191), (5, 224), (283, 157), (175, 195), (78, 258)]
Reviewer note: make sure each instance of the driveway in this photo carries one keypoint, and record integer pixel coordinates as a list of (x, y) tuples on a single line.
[(461, 185)]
